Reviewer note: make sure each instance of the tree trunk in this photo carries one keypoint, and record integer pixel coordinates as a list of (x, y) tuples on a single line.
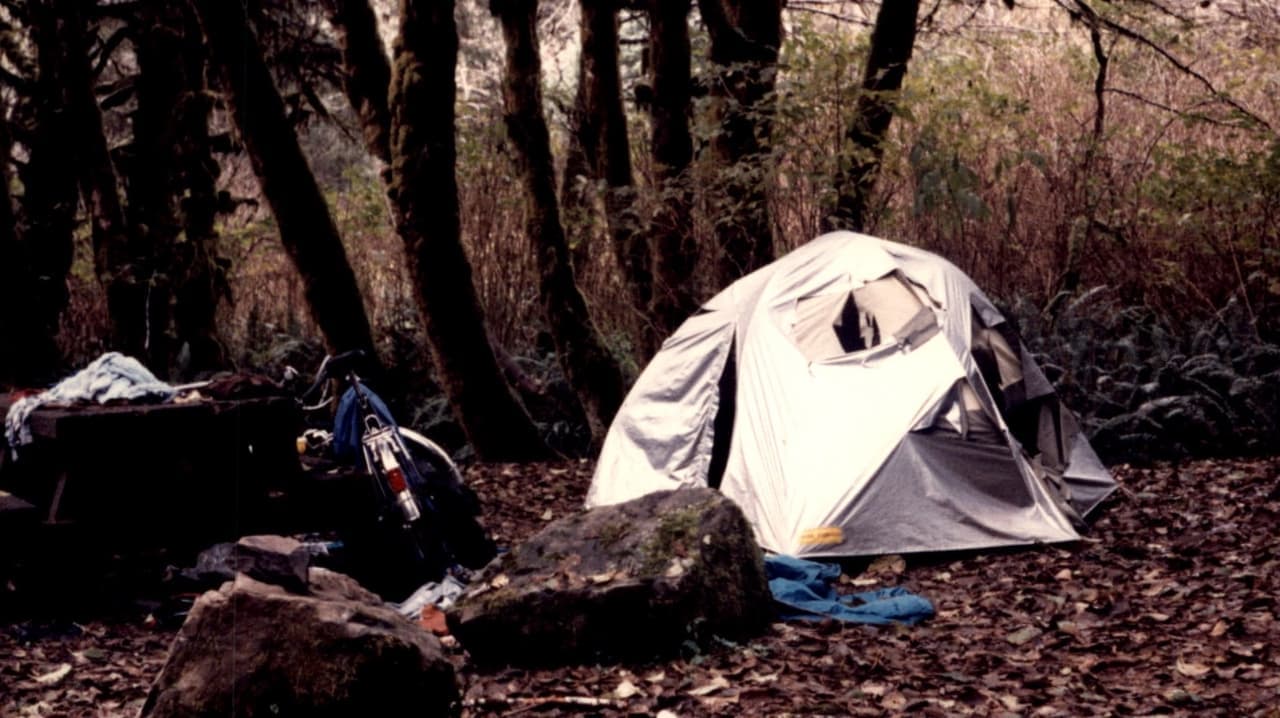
[(366, 71), (199, 281), (891, 43), (151, 174), (43, 245), (675, 252), (591, 369), (601, 151), (306, 228), (745, 38), (123, 260), (424, 197), (13, 272)]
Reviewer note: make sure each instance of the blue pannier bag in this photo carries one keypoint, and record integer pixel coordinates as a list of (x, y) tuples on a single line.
[(346, 423)]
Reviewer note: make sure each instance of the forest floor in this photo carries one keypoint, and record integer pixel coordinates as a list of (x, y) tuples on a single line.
[(1169, 606)]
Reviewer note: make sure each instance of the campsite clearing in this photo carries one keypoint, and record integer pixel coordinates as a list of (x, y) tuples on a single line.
[(1169, 605)]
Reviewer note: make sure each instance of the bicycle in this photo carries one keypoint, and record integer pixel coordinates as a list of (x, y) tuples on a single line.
[(424, 517)]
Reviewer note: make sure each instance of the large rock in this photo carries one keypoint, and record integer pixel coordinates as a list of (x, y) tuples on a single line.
[(271, 559), (256, 649), (634, 580)]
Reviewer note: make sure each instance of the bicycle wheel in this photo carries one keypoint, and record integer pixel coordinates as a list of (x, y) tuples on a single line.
[(455, 505)]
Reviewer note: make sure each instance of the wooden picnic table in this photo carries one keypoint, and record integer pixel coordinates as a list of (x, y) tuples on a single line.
[(156, 472)]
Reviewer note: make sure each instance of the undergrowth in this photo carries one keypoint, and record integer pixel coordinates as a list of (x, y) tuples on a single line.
[(1146, 390)]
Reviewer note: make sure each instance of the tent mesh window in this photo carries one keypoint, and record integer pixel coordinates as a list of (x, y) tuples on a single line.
[(886, 309)]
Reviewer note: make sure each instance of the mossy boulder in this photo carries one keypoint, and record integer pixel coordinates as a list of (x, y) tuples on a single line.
[(632, 581), (257, 649)]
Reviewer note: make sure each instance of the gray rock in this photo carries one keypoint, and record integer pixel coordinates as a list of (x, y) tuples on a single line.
[(271, 559), (630, 581), (255, 649)]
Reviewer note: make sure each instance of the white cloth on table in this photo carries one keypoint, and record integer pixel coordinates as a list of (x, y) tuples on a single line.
[(111, 377)]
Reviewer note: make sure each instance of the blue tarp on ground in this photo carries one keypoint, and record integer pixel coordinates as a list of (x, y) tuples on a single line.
[(804, 589)]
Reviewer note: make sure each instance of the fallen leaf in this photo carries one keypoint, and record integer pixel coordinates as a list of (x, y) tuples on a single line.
[(874, 689), (894, 701), (892, 563), (1022, 635), (1192, 670), (716, 703), (1011, 702), (717, 683), (626, 689), (54, 677)]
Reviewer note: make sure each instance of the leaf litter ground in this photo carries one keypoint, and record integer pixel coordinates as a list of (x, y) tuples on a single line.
[(1167, 607)]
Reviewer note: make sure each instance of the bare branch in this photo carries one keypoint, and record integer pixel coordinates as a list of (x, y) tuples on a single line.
[(1186, 113), (929, 16), (1092, 18), (1099, 83), (107, 47), (1167, 11), (812, 10)]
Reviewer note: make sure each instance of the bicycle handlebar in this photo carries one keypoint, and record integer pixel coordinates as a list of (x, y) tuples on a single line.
[(335, 366)]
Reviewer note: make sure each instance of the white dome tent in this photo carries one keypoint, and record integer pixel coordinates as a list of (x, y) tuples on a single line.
[(857, 397)]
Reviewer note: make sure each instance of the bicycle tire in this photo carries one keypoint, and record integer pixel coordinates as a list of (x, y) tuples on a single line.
[(456, 504)]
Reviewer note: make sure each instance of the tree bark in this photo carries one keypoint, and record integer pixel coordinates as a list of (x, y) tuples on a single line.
[(13, 272), (745, 39), (590, 368), (600, 150), (41, 249), (199, 282), (892, 40), (151, 173), (424, 197), (123, 260), (675, 253), (366, 71), (307, 229), (1084, 229)]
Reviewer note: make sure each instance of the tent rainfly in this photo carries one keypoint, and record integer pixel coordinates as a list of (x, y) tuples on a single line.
[(857, 397)]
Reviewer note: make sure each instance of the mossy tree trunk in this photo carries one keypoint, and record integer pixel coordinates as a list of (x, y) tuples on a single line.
[(600, 152), (39, 250), (745, 38), (892, 40), (675, 253), (589, 366), (424, 197), (199, 273), (152, 172), (13, 272), (307, 230), (366, 71), (123, 260)]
